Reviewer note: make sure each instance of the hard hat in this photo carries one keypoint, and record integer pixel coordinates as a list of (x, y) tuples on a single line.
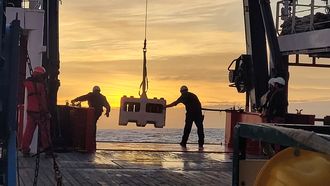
[(39, 70), (271, 81), (96, 89), (183, 88), (280, 81)]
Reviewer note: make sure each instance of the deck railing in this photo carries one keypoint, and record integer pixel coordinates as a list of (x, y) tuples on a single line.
[(290, 11)]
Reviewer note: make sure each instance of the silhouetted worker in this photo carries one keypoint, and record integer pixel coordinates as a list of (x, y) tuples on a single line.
[(37, 112), (277, 106), (97, 101), (267, 148), (193, 114), (264, 101)]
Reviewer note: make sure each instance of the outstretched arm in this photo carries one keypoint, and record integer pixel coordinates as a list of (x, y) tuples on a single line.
[(174, 103), (81, 98)]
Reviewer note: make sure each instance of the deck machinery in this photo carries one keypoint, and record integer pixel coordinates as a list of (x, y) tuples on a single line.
[(300, 29)]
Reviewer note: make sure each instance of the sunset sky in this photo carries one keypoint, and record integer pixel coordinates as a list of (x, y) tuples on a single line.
[(189, 42)]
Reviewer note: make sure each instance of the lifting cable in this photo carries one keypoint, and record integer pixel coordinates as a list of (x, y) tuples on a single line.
[(144, 84), (215, 110)]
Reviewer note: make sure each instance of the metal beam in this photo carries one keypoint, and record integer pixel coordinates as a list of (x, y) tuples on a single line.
[(256, 48), (3, 130), (2, 28), (276, 56), (314, 128), (52, 59), (12, 57), (309, 65)]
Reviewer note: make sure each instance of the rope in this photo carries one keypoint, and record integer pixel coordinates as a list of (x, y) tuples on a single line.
[(145, 21), (215, 110), (144, 83)]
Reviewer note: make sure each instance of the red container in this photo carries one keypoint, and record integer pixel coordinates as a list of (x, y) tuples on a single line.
[(232, 118), (62, 133), (300, 119), (83, 129), (254, 146)]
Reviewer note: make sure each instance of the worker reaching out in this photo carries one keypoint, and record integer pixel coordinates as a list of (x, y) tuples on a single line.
[(97, 101), (193, 114), (37, 112)]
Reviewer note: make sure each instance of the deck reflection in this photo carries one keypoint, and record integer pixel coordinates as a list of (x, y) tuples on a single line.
[(136, 164)]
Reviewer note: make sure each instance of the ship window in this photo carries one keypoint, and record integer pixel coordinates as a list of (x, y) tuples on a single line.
[(154, 108), (132, 107)]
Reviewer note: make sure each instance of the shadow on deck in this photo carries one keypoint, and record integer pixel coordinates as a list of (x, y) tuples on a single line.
[(135, 164)]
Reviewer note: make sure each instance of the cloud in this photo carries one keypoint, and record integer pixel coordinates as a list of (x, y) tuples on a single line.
[(115, 29), (189, 42), (207, 76)]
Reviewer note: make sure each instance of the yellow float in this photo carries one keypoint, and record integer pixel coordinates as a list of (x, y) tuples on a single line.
[(295, 167)]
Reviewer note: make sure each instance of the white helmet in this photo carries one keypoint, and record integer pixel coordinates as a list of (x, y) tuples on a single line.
[(183, 88), (271, 82), (96, 89), (280, 81)]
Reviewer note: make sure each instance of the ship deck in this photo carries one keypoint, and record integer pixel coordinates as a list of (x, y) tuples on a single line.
[(134, 164)]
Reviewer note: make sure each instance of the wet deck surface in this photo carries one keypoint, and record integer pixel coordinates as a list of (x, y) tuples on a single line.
[(135, 164)]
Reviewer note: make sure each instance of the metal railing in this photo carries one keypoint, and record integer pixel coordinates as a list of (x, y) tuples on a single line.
[(295, 14)]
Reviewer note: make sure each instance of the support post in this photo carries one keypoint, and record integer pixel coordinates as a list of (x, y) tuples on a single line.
[(256, 48), (51, 60), (239, 153), (13, 62), (3, 129), (276, 56)]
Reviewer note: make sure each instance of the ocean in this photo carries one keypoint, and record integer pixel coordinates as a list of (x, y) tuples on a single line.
[(164, 135)]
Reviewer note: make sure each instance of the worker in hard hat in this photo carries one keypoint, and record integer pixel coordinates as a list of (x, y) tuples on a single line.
[(264, 101), (267, 148), (193, 114), (277, 106), (37, 112), (97, 101)]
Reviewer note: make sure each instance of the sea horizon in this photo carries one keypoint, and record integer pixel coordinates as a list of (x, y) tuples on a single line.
[(158, 135)]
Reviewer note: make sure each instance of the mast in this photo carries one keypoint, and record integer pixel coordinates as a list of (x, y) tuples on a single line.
[(51, 60)]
